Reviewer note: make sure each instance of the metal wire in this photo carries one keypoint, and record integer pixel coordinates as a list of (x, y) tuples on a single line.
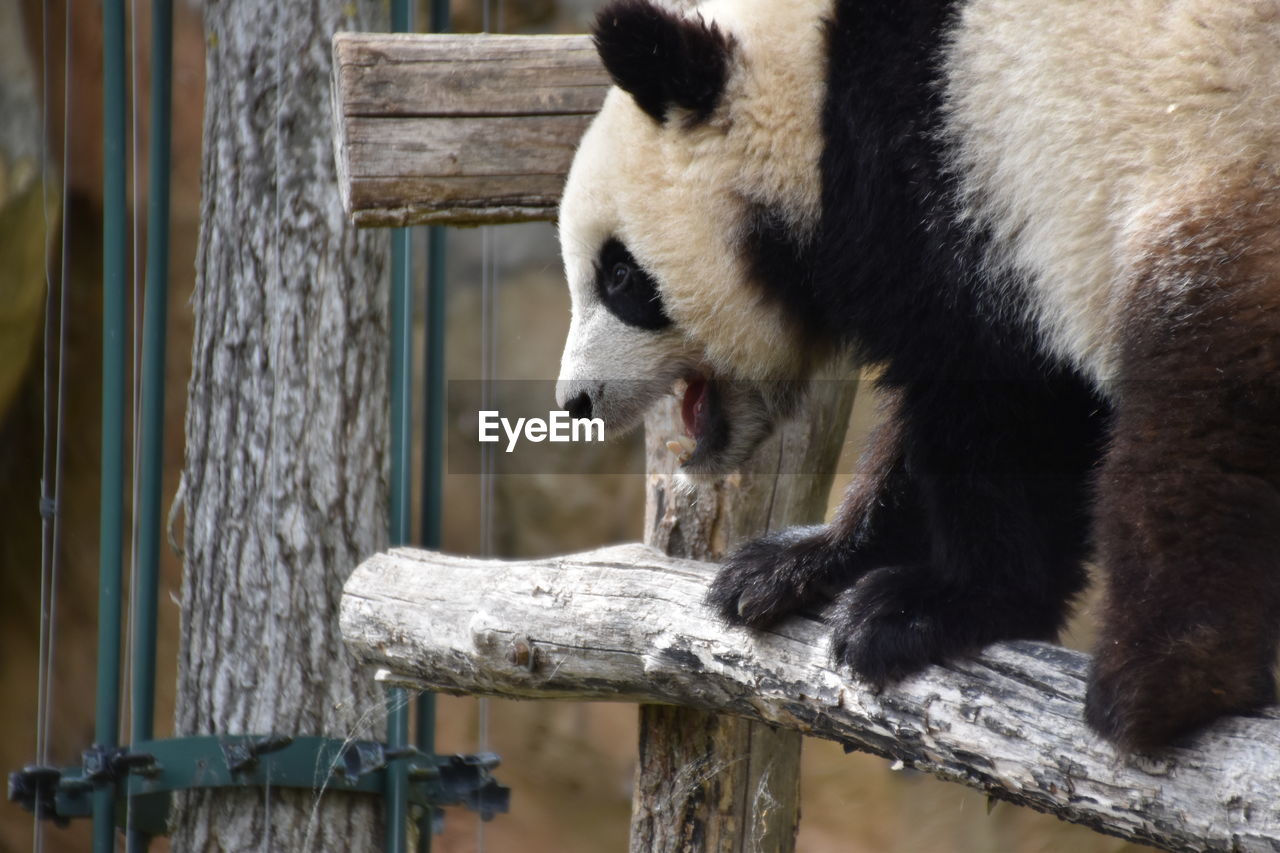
[(53, 399)]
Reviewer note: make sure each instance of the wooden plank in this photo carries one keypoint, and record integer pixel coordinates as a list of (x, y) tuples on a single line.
[(462, 200), (426, 147), (424, 123), (629, 623), (452, 75)]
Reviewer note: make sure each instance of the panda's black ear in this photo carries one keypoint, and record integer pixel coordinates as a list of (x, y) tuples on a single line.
[(662, 58)]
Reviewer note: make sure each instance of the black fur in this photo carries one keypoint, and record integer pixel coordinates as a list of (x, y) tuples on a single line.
[(781, 263), (628, 291), (1187, 518), (995, 447), (663, 59), (879, 524), (973, 512)]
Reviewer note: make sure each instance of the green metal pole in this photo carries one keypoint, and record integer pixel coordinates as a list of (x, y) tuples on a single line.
[(432, 470), (434, 414), (401, 413), (111, 510), (151, 465), (439, 22), (401, 408), (433, 439)]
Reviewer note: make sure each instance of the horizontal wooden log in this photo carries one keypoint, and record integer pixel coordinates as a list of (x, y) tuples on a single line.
[(628, 623), (459, 129)]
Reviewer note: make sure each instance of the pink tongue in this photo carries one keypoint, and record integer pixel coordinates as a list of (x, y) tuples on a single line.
[(691, 406)]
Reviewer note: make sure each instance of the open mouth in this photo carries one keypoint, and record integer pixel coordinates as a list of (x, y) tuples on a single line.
[(721, 422), (694, 407), (706, 428)]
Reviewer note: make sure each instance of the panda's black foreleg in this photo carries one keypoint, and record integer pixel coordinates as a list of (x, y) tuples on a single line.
[(879, 522), (1188, 512), (1002, 471)]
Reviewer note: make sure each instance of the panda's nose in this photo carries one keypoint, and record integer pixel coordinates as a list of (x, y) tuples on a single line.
[(579, 407)]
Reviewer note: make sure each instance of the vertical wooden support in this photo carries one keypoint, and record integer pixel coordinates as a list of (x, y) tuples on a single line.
[(708, 782)]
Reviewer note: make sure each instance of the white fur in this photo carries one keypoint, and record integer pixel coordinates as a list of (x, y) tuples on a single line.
[(676, 196), (622, 369), (1078, 125)]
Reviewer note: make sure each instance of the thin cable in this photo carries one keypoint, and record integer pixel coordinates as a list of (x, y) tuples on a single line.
[(51, 524), (126, 719), (487, 372), (486, 457), (43, 672), (46, 519), (64, 304), (55, 557), (486, 386)]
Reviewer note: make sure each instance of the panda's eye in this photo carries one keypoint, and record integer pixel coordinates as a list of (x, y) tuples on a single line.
[(619, 275), (626, 290)]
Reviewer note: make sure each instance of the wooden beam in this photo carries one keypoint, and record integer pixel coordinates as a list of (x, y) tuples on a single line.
[(459, 129), (628, 624)]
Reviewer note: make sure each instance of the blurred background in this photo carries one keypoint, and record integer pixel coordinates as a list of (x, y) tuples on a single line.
[(570, 765)]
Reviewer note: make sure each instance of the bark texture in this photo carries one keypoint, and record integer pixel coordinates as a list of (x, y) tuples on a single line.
[(628, 623), (285, 474), (706, 781)]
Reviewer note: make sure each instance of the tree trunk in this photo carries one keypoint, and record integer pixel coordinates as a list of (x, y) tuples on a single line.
[(285, 475), (706, 781)]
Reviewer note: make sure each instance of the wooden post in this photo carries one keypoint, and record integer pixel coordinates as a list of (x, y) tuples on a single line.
[(708, 781), (469, 130)]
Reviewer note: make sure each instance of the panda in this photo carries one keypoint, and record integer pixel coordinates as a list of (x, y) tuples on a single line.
[(1055, 227)]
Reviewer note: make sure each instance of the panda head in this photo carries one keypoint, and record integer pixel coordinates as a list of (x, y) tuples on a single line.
[(694, 194)]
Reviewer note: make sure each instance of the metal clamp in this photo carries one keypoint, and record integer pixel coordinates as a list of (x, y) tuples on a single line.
[(147, 774)]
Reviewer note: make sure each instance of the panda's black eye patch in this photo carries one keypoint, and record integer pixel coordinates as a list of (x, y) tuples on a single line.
[(628, 291)]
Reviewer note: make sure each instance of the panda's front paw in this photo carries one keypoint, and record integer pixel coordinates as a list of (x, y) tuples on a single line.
[(884, 629), (771, 578), (1142, 698)]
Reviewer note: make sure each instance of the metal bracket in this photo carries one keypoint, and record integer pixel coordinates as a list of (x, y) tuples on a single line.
[(147, 773)]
